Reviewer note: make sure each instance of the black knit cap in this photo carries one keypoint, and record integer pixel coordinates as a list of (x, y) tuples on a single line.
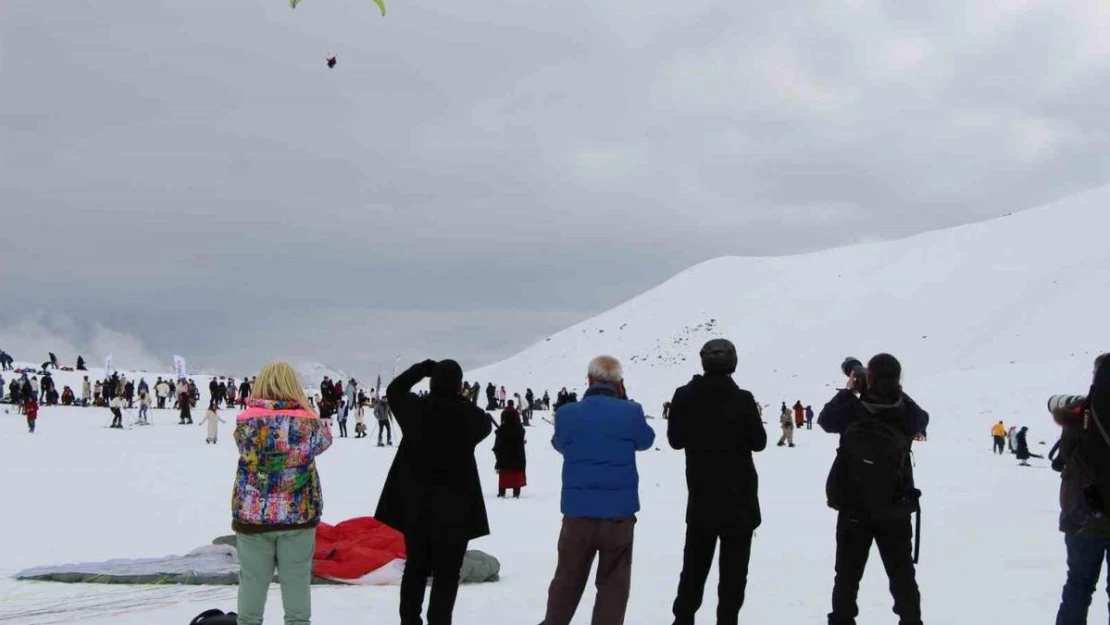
[(719, 356)]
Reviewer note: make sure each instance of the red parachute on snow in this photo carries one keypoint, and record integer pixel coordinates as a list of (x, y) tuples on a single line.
[(359, 551)]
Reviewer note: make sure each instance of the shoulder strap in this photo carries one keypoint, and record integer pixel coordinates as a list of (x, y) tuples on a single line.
[(1098, 424)]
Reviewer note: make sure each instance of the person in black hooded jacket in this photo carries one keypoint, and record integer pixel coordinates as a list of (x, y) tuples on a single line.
[(1083, 520), (881, 398), (719, 426), (433, 494)]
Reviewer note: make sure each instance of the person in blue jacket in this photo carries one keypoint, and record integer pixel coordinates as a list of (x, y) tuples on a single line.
[(598, 438)]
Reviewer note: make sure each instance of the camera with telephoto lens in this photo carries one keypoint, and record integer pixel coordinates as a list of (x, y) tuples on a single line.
[(853, 368)]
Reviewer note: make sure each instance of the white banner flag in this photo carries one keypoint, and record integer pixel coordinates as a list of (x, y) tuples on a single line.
[(179, 367), (108, 364)]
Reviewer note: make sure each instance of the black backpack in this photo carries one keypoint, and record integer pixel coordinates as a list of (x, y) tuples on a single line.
[(870, 477), (215, 617)]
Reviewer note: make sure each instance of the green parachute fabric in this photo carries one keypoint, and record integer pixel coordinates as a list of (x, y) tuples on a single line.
[(381, 5)]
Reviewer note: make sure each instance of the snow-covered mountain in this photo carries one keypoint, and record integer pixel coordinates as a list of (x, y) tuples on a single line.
[(1026, 288), (312, 373)]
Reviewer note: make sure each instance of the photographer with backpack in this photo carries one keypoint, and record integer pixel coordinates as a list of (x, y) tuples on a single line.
[(871, 485), (1084, 465)]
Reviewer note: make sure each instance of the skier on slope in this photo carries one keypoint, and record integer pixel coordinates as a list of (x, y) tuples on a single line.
[(116, 407), (144, 407)]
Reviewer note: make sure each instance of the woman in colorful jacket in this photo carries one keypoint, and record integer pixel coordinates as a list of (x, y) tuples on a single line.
[(277, 501)]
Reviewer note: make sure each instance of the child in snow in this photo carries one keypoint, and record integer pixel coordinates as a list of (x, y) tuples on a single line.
[(32, 407), (213, 420)]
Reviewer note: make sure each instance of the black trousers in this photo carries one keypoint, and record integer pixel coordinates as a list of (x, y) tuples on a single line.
[(428, 557), (343, 428), (999, 444), (117, 418), (385, 426), (853, 545), (736, 551)]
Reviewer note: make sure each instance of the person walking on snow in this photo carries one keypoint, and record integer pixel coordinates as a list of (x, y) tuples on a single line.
[(86, 392), (799, 415), (360, 416), (186, 407), (32, 408), (341, 416), (5, 361), (381, 413), (787, 421), (162, 390), (809, 417), (212, 420), (998, 432), (1023, 453)]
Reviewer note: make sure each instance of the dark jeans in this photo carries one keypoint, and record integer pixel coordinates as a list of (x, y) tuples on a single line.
[(343, 428), (1085, 556), (1000, 444), (117, 418), (443, 563), (384, 426), (31, 424), (736, 551), (161, 403), (580, 541), (853, 545)]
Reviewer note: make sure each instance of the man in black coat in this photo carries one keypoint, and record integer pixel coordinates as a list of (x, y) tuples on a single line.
[(880, 398), (433, 494), (718, 425)]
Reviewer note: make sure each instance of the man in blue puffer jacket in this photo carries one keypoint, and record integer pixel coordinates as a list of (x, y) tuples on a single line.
[(598, 438)]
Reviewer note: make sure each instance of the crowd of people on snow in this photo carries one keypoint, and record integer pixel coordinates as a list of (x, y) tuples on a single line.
[(433, 495)]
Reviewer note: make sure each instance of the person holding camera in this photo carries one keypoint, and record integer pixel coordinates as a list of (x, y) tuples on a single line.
[(871, 484), (433, 494), (719, 426), (1084, 466)]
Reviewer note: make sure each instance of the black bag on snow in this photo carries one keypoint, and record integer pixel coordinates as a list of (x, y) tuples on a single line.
[(871, 474), (215, 617)]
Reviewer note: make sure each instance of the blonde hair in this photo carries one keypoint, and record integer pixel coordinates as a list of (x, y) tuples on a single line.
[(278, 381)]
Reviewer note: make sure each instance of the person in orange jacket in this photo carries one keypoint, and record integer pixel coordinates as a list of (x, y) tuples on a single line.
[(999, 434), (799, 415)]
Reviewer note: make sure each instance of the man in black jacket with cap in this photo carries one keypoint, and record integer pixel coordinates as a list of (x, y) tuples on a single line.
[(433, 494), (719, 426), (859, 524)]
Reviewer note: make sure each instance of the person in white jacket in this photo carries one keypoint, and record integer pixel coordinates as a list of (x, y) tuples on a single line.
[(86, 392), (162, 390), (116, 406), (144, 406), (213, 420)]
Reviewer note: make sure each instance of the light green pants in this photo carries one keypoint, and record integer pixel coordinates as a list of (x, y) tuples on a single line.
[(291, 553)]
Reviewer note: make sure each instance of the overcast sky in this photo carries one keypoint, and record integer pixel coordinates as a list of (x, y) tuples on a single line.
[(187, 176)]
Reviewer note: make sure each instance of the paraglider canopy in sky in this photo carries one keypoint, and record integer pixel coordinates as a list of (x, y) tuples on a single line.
[(381, 5)]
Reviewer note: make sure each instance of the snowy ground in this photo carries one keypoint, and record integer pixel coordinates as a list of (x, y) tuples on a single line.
[(991, 554)]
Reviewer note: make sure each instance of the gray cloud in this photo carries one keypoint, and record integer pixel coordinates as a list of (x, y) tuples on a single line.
[(483, 173)]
